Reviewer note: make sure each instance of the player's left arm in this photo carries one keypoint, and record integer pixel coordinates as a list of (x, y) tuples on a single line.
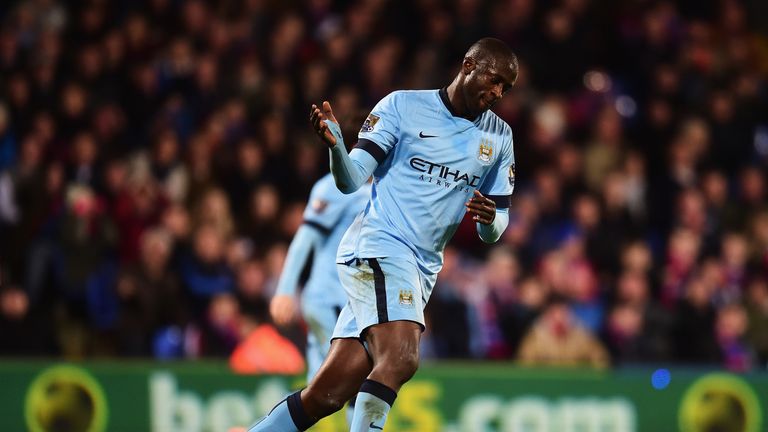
[(490, 205), (491, 221)]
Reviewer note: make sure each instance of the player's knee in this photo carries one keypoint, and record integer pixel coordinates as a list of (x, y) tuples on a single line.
[(401, 368), (409, 364), (334, 404), (326, 402)]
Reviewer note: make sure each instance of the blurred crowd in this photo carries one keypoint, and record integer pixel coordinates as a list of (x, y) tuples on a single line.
[(155, 159)]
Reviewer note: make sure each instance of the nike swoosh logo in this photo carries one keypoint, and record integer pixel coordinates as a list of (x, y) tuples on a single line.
[(373, 426), (421, 135)]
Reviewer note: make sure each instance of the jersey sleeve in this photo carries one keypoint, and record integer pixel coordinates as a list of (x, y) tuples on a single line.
[(324, 208), (381, 130), (500, 182), (304, 242)]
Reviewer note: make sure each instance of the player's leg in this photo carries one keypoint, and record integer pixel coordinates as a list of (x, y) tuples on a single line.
[(321, 322), (394, 347), (388, 305), (337, 381), (315, 355)]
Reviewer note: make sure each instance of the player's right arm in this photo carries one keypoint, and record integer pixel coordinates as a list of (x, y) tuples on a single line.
[(377, 137)]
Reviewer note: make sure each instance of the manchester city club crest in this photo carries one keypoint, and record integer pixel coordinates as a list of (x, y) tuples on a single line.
[(485, 152), (406, 297)]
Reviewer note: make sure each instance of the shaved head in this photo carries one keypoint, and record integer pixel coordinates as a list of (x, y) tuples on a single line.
[(493, 52), (488, 72)]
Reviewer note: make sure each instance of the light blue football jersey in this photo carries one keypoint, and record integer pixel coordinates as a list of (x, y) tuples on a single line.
[(430, 163), (331, 212)]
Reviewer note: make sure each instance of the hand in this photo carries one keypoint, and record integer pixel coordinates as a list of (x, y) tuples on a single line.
[(482, 208), (316, 117), (283, 309)]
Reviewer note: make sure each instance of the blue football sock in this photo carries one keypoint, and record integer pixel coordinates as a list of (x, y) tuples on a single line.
[(372, 406), (287, 416)]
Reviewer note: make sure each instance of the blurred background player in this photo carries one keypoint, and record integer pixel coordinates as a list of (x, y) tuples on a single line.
[(327, 216)]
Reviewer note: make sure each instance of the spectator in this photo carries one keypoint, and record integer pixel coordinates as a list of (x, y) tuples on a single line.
[(751, 196), (213, 210), (531, 299), (623, 334), (138, 207), (714, 187), (756, 304), (251, 291), (694, 329), (203, 269), (166, 167), (731, 329), (502, 271), (82, 160), (734, 258), (220, 328), (149, 295), (247, 175), (605, 151), (260, 221), (23, 330), (556, 339), (682, 256), (83, 244), (638, 328), (759, 242), (7, 140), (450, 313), (22, 202)]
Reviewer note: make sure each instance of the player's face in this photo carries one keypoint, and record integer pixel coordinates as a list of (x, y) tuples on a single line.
[(488, 82)]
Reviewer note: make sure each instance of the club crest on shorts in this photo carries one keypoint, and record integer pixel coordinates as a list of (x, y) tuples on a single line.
[(406, 297), (369, 123), (485, 151)]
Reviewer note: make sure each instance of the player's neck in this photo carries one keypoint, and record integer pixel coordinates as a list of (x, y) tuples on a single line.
[(455, 103)]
